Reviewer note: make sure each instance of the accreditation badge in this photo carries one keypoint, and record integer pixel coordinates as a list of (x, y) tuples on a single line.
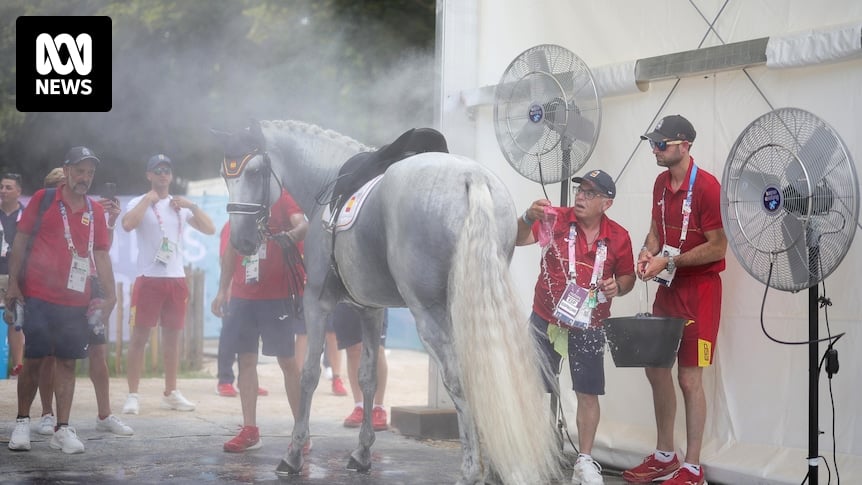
[(78, 274), (166, 251), (572, 309), (666, 277)]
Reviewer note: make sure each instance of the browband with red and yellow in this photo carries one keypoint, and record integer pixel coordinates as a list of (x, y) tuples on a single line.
[(233, 167)]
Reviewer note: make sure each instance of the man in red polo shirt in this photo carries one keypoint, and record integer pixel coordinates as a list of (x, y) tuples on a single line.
[(265, 291), (72, 236), (586, 261), (684, 252)]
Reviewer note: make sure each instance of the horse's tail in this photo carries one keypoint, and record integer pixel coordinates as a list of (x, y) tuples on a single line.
[(497, 354)]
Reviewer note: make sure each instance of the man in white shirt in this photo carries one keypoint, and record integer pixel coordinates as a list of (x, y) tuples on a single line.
[(160, 294)]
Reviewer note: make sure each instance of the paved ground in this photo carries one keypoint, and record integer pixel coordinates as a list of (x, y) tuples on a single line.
[(187, 447)]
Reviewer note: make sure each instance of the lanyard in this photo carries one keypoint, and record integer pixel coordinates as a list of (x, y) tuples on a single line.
[(598, 264), (162, 225), (68, 233), (686, 209)]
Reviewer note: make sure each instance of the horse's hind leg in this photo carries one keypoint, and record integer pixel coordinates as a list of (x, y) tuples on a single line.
[(372, 325), (436, 333)]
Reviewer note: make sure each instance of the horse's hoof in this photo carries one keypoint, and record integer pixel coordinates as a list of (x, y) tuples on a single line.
[(357, 465), (286, 469)]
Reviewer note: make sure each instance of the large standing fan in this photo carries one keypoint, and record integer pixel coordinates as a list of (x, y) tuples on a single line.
[(547, 114), (790, 202)]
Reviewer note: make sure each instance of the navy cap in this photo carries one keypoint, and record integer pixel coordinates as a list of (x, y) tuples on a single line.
[(672, 128), (157, 160), (603, 182), (76, 154)]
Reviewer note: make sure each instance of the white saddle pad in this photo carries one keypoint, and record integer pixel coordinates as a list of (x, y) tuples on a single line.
[(351, 208)]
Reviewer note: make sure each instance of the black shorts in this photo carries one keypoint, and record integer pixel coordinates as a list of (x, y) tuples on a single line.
[(586, 356), (247, 322), (58, 330), (348, 332)]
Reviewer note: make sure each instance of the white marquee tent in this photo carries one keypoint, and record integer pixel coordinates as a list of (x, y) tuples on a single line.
[(757, 427)]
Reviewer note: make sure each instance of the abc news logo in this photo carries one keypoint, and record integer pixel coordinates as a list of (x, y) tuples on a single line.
[(64, 64)]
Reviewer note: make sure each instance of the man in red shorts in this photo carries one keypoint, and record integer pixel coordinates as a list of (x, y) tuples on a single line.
[(684, 252), (160, 293), (54, 285), (261, 294)]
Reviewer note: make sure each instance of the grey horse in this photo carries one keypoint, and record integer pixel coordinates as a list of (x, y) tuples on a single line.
[(435, 235)]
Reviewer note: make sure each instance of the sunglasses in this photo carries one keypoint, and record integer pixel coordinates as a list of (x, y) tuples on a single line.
[(662, 145), (11, 176), (162, 170)]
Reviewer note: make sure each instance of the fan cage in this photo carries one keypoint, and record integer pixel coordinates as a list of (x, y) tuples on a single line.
[(790, 199), (547, 113)]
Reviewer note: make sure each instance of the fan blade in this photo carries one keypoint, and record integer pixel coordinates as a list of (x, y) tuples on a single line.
[(527, 136), (578, 127), (814, 154)]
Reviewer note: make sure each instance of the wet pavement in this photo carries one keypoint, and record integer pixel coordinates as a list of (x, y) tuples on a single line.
[(190, 451)]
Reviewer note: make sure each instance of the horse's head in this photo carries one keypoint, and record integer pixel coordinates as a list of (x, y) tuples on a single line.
[(252, 187)]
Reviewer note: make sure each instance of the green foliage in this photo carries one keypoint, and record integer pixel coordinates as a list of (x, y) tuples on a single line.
[(183, 68)]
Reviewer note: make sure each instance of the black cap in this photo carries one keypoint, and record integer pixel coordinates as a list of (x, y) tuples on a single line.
[(603, 182), (671, 128), (76, 154), (157, 160)]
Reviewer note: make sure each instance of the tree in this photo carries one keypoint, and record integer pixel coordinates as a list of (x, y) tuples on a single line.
[(182, 68)]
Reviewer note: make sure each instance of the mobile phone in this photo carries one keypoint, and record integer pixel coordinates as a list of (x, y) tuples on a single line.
[(110, 190)]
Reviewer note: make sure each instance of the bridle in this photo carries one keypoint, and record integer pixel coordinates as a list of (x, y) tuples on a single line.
[(233, 168)]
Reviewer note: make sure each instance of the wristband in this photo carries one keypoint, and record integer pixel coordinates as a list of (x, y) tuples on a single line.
[(643, 248), (527, 219)]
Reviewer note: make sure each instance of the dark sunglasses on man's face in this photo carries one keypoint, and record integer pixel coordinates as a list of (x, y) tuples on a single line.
[(162, 171), (662, 145)]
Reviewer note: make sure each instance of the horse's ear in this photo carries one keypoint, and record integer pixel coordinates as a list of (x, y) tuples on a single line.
[(256, 132)]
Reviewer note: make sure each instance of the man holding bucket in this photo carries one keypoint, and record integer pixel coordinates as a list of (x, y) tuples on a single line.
[(684, 253), (586, 261)]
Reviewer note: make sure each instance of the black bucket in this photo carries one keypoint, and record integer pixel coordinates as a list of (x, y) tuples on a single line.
[(644, 341)]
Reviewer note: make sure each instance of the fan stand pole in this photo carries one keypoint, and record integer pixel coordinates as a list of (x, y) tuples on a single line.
[(813, 384), (566, 144)]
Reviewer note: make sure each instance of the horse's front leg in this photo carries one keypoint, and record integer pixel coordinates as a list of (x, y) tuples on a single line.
[(291, 463)]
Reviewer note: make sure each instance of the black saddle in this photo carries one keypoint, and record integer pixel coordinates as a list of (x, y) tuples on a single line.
[(362, 167)]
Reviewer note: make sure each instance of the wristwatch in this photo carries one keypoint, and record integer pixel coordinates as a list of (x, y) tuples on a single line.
[(671, 266)]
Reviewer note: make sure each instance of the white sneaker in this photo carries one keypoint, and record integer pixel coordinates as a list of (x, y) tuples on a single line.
[(177, 401), (47, 424), (587, 472), (20, 440), (131, 406), (67, 440), (113, 424)]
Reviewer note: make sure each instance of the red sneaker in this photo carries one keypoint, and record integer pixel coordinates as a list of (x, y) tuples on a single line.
[(651, 470), (355, 418), (226, 390), (262, 392), (247, 439), (379, 419), (684, 476), (16, 370), (338, 387)]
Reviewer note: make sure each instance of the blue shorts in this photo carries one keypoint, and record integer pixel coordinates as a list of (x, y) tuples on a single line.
[(247, 322), (58, 330), (586, 356), (348, 332)]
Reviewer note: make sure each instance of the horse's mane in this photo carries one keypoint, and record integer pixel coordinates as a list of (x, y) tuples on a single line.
[(318, 132)]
